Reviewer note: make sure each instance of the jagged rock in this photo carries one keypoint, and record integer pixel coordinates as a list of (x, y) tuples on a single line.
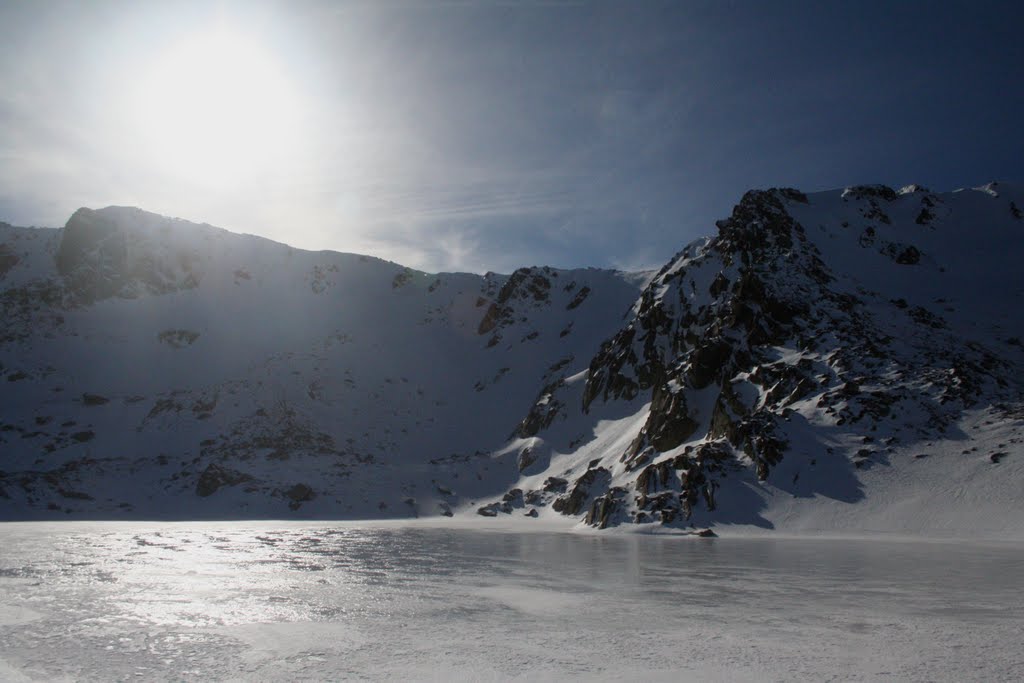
[(656, 477), (574, 502), (668, 425), (525, 284), (707, 362), (699, 471), (606, 376), (758, 437), (544, 411), (635, 459), (604, 508), (725, 414)]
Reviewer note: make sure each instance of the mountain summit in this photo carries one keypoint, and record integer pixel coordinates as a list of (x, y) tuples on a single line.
[(839, 360)]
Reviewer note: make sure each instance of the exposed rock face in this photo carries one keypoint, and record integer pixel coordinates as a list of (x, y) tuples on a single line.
[(752, 323), (531, 285), (543, 412), (92, 240), (604, 509), (575, 501), (104, 254)]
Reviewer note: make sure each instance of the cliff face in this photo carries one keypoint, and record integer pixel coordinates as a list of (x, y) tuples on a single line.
[(840, 359)]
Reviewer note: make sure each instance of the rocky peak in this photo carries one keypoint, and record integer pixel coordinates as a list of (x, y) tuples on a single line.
[(738, 332), (91, 239), (123, 251)]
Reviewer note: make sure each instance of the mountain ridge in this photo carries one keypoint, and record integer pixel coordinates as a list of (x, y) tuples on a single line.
[(764, 376)]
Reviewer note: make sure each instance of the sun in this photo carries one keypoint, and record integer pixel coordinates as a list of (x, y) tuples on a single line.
[(217, 109)]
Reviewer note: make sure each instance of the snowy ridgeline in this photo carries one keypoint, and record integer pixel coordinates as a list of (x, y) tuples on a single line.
[(840, 361)]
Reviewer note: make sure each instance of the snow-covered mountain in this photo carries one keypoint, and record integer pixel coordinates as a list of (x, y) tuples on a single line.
[(154, 367), (841, 360)]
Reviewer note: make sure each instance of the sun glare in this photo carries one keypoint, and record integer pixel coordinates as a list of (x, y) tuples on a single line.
[(217, 109)]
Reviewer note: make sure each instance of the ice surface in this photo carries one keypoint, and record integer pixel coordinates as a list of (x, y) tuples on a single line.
[(289, 601)]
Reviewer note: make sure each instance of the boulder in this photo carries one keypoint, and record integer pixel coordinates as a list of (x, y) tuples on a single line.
[(555, 485)]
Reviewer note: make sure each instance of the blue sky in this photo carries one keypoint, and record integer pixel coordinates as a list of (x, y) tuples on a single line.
[(487, 135)]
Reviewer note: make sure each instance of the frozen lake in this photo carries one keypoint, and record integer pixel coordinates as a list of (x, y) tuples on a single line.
[(266, 601)]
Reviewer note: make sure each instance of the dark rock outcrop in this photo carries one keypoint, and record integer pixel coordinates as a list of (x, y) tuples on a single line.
[(215, 477), (574, 502)]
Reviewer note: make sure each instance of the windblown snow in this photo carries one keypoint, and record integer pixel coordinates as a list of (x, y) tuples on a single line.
[(840, 361)]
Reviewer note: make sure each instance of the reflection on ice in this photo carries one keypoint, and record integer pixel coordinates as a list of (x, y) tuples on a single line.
[(213, 601)]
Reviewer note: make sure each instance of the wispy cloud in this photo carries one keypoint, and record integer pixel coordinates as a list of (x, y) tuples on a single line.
[(477, 136)]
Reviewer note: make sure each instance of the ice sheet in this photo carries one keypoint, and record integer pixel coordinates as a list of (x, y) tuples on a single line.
[(282, 602)]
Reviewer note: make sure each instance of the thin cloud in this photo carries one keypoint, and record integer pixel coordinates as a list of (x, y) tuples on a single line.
[(483, 136)]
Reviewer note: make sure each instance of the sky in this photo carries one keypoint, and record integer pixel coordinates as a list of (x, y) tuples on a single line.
[(485, 135)]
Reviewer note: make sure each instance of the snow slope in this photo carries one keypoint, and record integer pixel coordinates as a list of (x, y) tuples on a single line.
[(847, 360), (155, 367)]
